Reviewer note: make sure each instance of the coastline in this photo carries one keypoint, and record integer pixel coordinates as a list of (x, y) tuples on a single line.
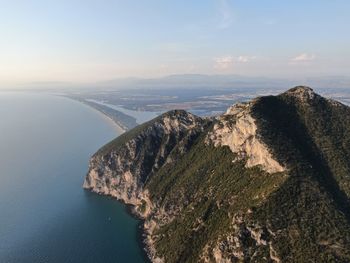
[(119, 126), (129, 208), (141, 232)]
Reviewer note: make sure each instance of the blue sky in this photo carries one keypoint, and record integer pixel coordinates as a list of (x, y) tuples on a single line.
[(84, 41)]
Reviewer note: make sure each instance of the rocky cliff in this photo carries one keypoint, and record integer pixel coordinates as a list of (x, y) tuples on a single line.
[(268, 181), (122, 168)]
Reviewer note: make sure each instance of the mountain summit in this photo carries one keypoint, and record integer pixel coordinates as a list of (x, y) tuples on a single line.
[(301, 92), (268, 181)]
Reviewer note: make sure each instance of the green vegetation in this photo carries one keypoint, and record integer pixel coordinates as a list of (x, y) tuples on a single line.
[(120, 141), (307, 210), (312, 207), (209, 189), (303, 214), (142, 207)]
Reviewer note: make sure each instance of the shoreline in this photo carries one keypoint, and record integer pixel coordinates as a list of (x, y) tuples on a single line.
[(140, 236), (140, 231), (119, 127), (129, 208)]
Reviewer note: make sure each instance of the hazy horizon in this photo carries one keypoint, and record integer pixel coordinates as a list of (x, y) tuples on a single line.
[(88, 41), (217, 81)]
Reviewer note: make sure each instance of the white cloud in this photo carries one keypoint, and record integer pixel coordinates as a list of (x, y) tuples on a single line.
[(224, 63), (226, 14), (245, 59), (304, 57)]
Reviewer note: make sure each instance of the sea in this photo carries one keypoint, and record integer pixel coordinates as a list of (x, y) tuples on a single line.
[(45, 214)]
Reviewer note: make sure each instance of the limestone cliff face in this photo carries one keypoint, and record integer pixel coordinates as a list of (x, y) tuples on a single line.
[(122, 172), (237, 129)]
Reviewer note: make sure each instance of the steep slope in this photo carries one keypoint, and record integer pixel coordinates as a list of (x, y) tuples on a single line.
[(311, 211), (268, 181), (122, 167)]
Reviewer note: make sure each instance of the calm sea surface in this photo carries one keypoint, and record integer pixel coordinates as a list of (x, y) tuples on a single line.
[(45, 215)]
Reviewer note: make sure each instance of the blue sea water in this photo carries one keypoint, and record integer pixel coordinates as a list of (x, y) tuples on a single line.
[(45, 215)]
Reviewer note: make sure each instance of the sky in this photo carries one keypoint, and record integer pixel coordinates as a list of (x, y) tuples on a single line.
[(96, 40)]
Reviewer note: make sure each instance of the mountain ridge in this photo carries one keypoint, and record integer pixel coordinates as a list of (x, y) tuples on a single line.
[(268, 181)]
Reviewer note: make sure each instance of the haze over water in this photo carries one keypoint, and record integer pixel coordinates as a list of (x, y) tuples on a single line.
[(46, 216)]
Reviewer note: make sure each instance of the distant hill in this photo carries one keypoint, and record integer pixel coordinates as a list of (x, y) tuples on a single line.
[(185, 81), (223, 81), (268, 181)]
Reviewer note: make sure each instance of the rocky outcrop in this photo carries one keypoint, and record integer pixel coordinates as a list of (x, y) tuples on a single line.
[(237, 130), (123, 171), (302, 93), (232, 247)]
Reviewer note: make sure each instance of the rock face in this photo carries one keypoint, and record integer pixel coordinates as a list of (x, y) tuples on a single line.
[(268, 181), (237, 129), (302, 93), (122, 171)]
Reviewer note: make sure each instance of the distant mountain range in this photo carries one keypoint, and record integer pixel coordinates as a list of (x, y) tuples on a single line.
[(225, 81), (268, 181), (195, 81)]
